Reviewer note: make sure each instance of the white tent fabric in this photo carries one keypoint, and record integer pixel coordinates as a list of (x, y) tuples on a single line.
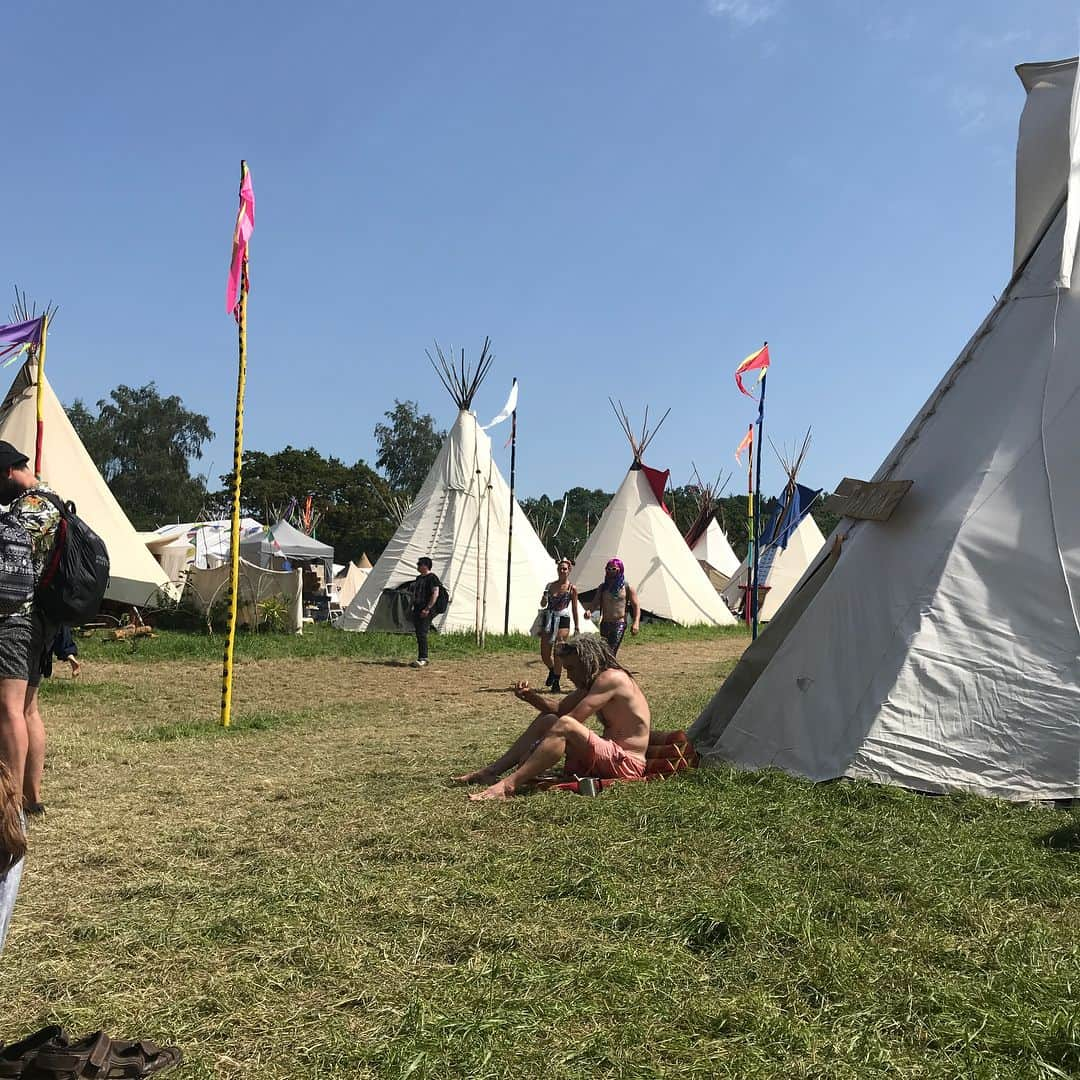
[(942, 651), (670, 582), (460, 521), (347, 584), (135, 575), (714, 549), (787, 568), (257, 584), (211, 539), (173, 552)]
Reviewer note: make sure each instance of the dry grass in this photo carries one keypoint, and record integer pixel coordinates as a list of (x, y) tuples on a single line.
[(305, 897)]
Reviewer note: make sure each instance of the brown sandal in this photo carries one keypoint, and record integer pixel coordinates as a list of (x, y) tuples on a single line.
[(15, 1058), (97, 1057)]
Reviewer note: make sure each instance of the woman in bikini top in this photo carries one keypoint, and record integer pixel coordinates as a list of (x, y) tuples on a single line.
[(560, 609)]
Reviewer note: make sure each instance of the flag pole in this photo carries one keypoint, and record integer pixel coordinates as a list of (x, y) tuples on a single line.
[(238, 460), (747, 613), (39, 441), (510, 529), (757, 502)]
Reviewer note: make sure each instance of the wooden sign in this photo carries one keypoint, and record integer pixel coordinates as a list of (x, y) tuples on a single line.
[(866, 501)]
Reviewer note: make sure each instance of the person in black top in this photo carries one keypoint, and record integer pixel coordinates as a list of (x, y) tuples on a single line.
[(426, 589)]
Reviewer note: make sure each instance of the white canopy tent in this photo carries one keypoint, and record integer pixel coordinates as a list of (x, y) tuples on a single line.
[(940, 649), (135, 575)]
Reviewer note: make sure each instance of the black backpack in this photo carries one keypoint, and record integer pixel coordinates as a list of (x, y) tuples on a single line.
[(16, 564), (76, 573), (442, 601)]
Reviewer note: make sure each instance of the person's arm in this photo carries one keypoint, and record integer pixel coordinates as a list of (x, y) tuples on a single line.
[(431, 601), (632, 594), (574, 607), (586, 703), (523, 692), (595, 606)]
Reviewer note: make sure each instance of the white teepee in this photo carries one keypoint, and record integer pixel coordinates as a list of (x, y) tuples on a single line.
[(461, 521), (940, 649), (637, 528), (707, 540), (135, 575)]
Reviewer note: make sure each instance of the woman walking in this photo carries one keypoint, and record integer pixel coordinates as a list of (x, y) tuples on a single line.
[(613, 599), (559, 607)]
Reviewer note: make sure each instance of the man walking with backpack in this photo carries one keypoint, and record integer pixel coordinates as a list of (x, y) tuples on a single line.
[(26, 633), (427, 590)]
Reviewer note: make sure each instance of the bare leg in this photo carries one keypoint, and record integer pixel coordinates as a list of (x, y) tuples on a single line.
[(545, 650), (75, 667), (515, 755), (564, 635), (562, 732), (13, 738), (35, 748)]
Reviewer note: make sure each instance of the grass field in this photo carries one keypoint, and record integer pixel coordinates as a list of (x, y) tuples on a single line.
[(305, 896)]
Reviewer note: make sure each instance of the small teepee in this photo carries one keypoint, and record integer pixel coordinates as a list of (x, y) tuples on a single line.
[(461, 521), (638, 528), (789, 543), (707, 540), (135, 576), (940, 649)]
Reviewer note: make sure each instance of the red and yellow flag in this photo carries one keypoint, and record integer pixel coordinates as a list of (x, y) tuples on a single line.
[(755, 361)]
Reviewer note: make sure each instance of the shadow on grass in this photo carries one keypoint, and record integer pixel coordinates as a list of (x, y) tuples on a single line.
[(1067, 838)]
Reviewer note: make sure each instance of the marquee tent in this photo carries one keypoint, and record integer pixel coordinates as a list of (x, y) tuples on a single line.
[(940, 649), (284, 542)]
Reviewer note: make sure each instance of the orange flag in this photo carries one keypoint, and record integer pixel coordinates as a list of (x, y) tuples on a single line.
[(746, 444), (755, 361)]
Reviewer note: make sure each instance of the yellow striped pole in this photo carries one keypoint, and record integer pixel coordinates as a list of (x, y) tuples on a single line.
[(40, 438), (238, 459)]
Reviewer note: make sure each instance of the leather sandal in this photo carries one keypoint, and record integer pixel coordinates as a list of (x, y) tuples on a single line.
[(97, 1057), (15, 1058)]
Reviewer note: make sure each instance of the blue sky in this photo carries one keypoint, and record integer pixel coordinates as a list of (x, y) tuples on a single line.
[(627, 195)]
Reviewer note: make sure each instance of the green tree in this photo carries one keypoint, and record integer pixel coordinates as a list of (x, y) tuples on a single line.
[(408, 446), (143, 445), (350, 515)]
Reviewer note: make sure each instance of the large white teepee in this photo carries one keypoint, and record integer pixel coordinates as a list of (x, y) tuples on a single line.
[(637, 528), (941, 649), (135, 575), (461, 521)]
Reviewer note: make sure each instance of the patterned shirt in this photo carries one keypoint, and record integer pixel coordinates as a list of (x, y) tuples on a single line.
[(39, 518)]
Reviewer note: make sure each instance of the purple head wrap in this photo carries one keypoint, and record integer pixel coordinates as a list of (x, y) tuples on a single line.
[(614, 577)]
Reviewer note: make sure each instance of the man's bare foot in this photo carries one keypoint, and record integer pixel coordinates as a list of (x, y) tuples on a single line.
[(481, 776), (500, 790)]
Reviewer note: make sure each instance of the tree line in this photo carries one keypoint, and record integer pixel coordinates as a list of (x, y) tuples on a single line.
[(144, 445)]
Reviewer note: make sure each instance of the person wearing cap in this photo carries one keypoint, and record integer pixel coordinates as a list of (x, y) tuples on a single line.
[(614, 599), (26, 634)]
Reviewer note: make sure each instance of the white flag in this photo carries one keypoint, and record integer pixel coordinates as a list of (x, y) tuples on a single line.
[(508, 408)]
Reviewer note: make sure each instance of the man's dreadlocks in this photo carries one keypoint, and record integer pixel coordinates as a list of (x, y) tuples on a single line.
[(593, 654)]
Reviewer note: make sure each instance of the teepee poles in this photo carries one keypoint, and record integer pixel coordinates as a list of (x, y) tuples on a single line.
[(236, 303), (510, 527)]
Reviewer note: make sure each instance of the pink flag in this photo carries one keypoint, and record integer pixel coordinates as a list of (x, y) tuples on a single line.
[(245, 225)]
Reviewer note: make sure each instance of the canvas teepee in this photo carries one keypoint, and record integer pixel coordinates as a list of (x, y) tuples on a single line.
[(637, 528), (135, 575), (790, 542), (940, 649), (707, 540), (460, 520)]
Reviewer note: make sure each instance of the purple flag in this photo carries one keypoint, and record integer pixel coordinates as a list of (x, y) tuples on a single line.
[(15, 337)]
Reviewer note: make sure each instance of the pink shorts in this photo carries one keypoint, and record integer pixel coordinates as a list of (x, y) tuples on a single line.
[(606, 760)]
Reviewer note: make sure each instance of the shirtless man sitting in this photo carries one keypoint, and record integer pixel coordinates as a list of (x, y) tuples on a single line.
[(606, 691)]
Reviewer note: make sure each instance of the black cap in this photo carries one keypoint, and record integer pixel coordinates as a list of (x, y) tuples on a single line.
[(10, 457)]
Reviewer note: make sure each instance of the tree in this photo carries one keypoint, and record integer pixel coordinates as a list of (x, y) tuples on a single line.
[(351, 516), (408, 446), (143, 444)]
